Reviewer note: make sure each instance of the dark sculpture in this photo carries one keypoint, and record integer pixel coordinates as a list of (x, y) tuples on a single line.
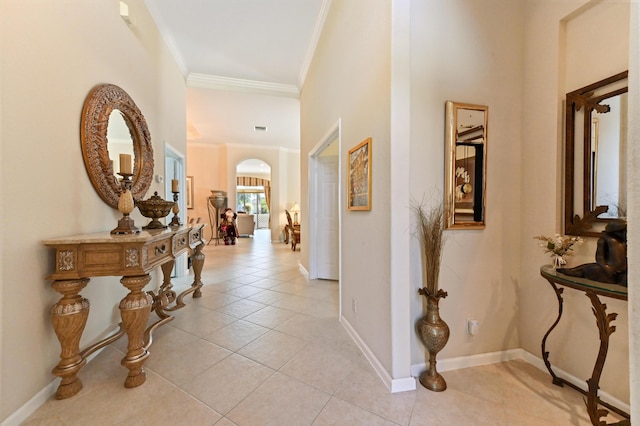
[(611, 257)]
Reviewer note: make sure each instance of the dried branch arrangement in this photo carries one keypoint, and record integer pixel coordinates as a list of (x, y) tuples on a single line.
[(432, 238)]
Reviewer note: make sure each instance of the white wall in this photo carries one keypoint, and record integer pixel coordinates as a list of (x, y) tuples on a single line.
[(470, 51), (633, 163), (349, 79), (52, 54), (568, 45)]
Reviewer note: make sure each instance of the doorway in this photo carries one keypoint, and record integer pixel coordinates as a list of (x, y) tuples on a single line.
[(253, 190), (174, 168), (325, 168)]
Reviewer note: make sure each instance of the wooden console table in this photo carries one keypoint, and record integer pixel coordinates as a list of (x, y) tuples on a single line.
[(593, 290), (78, 258)]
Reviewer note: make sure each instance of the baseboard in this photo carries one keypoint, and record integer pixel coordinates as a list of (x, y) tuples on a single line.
[(303, 271), (22, 413), (394, 385), (32, 405), (581, 383), (449, 364)]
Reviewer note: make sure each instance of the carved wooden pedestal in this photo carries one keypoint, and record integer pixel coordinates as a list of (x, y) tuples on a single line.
[(134, 310), (592, 289), (69, 317), (132, 257)]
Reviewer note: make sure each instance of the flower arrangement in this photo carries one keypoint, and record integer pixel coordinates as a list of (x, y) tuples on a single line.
[(559, 246), (431, 234)]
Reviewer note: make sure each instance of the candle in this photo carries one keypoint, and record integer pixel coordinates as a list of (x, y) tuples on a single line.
[(125, 164), (174, 185)]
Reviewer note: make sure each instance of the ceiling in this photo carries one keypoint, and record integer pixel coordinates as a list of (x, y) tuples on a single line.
[(244, 62)]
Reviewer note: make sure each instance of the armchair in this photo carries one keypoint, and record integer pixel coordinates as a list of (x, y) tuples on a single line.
[(246, 224)]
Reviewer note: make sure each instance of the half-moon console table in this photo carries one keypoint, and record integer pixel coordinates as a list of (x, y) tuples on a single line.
[(593, 290), (80, 257)]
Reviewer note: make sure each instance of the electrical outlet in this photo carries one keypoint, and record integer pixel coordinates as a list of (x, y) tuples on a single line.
[(354, 306), (472, 326)]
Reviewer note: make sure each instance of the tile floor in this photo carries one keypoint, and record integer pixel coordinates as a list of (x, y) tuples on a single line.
[(264, 346)]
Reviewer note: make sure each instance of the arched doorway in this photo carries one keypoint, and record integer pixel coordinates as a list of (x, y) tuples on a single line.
[(253, 190)]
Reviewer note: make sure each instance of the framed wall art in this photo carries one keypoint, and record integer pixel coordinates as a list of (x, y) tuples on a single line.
[(359, 176), (189, 191)]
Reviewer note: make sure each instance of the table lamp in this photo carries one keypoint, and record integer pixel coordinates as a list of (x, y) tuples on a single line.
[(295, 209)]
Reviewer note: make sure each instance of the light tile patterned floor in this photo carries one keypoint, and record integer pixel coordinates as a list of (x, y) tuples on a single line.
[(264, 347)]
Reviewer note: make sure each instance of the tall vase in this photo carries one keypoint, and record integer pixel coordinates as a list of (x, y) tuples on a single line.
[(434, 333)]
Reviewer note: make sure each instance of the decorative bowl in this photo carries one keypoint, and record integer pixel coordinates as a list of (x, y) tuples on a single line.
[(154, 208)]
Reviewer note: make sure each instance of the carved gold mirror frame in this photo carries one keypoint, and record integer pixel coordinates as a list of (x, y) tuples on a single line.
[(99, 104), (466, 165)]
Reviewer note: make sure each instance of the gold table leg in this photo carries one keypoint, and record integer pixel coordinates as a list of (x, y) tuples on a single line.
[(135, 309), (197, 263), (69, 317)]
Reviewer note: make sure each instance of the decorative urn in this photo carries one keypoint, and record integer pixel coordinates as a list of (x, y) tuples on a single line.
[(155, 208)]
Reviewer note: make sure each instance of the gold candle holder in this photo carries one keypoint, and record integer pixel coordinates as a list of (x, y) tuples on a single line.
[(126, 206), (175, 220)]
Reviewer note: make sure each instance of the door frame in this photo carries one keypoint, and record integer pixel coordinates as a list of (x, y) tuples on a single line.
[(173, 155), (335, 132)]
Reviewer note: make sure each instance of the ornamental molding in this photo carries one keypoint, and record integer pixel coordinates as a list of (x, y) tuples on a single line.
[(66, 260)]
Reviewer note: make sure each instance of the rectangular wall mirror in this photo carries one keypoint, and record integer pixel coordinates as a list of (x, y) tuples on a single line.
[(466, 165), (595, 152)]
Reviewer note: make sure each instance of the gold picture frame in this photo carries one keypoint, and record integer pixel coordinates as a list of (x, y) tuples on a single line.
[(359, 176), (466, 165), (189, 190)]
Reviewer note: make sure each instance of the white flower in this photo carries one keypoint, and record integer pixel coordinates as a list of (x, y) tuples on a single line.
[(558, 245)]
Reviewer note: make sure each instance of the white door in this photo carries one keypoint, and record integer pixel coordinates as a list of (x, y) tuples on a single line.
[(327, 215)]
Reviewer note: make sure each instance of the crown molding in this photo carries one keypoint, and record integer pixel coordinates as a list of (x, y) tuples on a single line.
[(313, 43), (241, 85), (166, 36)]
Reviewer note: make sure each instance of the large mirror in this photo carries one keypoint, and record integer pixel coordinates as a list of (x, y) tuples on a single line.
[(466, 165), (112, 124), (595, 146)]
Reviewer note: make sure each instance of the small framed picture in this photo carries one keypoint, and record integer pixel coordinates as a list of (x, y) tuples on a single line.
[(189, 190), (359, 176)]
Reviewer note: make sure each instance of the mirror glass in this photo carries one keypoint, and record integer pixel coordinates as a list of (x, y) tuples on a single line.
[(466, 159), (606, 183), (119, 139), (112, 124), (595, 143)]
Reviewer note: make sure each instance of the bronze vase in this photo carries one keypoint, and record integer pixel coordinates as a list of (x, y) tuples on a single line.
[(434, 333)]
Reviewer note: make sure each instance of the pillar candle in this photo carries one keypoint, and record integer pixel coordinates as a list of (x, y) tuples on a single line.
[(125, 164), (174, 185)]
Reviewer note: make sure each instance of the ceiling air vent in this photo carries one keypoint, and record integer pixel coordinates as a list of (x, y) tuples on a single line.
[(260, 128)]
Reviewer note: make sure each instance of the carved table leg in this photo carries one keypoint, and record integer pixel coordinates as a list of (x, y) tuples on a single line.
[(605, 329), (69, 317), (167, 267), (197, 262), (165, 295), (135, 309), (545, 354)]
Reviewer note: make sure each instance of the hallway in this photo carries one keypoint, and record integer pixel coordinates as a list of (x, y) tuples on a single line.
[(264, 347)]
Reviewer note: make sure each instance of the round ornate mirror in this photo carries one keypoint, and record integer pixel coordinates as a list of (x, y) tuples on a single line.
[(96, 113)]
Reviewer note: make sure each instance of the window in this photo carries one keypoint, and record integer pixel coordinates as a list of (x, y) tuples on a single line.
[(251, 200)]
